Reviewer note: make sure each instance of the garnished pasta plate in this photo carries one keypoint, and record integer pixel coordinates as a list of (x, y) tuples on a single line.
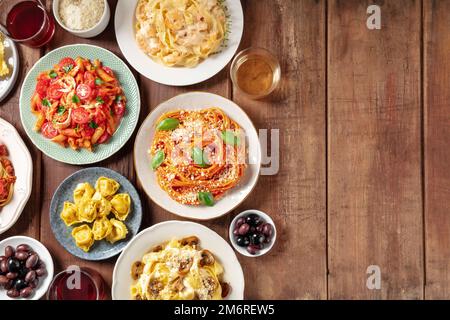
[(21, 160), (167, 231), (183, 202), (138, 41)]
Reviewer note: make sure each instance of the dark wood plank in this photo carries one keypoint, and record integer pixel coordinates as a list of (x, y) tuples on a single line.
[(437, 148), (29, 222), (56, 172), (374, 150), (294, 31)]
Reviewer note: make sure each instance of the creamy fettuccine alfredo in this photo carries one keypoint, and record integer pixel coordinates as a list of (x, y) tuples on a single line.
[(180, 32), (178, 270)]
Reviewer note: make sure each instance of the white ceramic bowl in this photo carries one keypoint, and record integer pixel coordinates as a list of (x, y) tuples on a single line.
[(232, 198), (243, 250), (88, 33), (166, 231), (44, 255)]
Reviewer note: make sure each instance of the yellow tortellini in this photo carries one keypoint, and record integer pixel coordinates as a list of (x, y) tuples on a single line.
[(121, 205), (83, 236), (93, 206), (119, 231), (87, 210), (69, 214), (107, 187), (83, 191), (101, 228)]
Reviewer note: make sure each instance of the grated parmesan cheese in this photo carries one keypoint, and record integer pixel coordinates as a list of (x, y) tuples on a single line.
[(81, 14)]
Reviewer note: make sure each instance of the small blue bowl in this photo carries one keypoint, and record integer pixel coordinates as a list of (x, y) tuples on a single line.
[(100, 250)]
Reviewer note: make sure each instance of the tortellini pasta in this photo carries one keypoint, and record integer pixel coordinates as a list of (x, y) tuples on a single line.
[(121, 205), (107, 187), (119, 231), (69, 214), (83, 236), (93, 206)]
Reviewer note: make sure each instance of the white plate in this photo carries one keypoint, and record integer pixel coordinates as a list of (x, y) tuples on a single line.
[(147, 178), (23, 167), (12, 60), (167, 231), (175, 76), (44, 255)]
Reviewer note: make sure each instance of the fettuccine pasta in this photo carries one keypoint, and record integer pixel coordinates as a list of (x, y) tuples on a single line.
[(180, 32)]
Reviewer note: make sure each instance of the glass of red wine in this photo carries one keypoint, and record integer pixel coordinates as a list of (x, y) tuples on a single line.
[(77, 284), (27, 22)]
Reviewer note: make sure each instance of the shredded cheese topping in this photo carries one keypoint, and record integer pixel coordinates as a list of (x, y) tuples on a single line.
[(81, 14)]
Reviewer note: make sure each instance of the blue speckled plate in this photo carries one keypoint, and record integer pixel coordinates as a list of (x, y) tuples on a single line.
[(100, 250)]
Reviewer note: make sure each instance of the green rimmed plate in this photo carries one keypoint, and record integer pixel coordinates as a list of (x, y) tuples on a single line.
[(123, 133)]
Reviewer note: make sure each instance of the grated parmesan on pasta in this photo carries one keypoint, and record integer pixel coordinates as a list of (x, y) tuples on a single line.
[(81, 14)]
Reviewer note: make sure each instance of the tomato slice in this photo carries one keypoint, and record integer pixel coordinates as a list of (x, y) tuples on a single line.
[(41, 87), (119, 109), (53, 92), (65, 62), (49, 131), (80, 116), (103, 138), (89, 79), (84, 91)]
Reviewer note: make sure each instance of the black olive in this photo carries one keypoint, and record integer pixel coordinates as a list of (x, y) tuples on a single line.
[(23, 271), (253, 219), (242, 241), (13, 265), (256, 238), (20, 284)]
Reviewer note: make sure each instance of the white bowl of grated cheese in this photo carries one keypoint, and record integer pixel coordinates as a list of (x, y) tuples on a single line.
[(83, 18)]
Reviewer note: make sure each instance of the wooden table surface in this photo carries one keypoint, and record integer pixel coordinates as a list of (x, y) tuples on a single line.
[(364, 179)]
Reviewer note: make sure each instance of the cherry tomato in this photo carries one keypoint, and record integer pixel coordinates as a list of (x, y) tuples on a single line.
[(65, 62), (119, 109), (89, 79), (80, 116), (48, 130), (108, 70), (84, 92), (53, 92), (103, 138), (88, 131), (41, 87)]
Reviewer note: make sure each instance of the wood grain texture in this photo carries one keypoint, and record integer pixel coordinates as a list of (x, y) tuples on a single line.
[(437, 147), (294, 31), (374, 150)]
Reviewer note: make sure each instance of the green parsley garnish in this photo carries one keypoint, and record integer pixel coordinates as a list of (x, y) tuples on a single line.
[(75, 99), (100, 100), (68, 68), (93, 125), (53, 74), (98, 81), (118, 99), (61, 110), (46, 103)]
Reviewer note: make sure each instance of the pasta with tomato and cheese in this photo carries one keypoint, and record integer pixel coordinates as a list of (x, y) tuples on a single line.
[(78, 103), (7, 177)]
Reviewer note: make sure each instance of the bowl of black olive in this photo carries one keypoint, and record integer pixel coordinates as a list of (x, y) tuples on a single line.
[(252, 233), (26, 269)]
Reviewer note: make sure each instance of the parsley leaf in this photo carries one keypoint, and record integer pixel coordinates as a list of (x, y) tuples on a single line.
[(53, 74), (61, 110), (68, 68), (93, 125), (118, 99), (75, 99), (98, 81), (100, 100), (46, 103)]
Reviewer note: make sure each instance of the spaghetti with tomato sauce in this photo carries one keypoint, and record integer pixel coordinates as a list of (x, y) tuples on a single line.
[(7, 177), (198, 155), (78, 103)]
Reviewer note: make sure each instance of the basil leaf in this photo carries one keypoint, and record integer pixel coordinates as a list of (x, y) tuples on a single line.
[(168, 124), (61, 110), (118, 99), (68, 68), (206, 198), (98, 81), (46, 103), (75, 99), (158, 159), (93, 125), (53, 74), (230, 138), (100, 100), (199, 157)]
